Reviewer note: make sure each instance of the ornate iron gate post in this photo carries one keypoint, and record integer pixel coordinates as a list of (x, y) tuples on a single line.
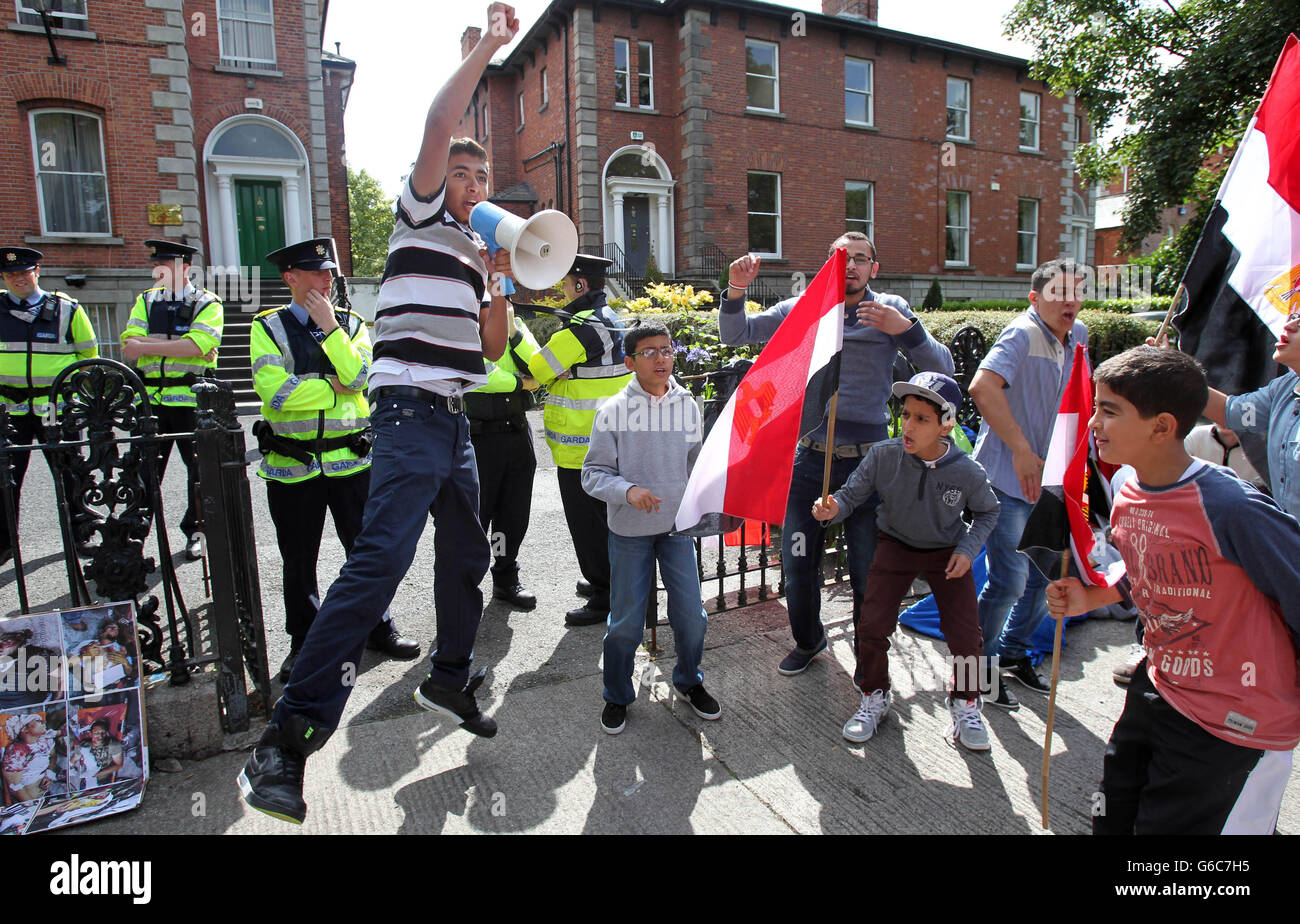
[(232, 554)]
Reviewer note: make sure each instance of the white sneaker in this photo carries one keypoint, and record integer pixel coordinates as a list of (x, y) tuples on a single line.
[(863, 723), (967, 724)]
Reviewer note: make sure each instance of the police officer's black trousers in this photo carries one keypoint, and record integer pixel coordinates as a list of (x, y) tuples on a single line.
[(298, 511), (589, 527), (181, 420), (506, 463), (25, 429)]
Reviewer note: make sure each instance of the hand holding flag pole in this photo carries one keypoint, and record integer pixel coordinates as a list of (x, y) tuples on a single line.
[(830, 448)]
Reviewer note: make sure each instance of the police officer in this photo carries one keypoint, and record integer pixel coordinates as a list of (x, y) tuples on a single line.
[(310, 364), (503, 451), (582, 365), (172, 337), (41, 333)]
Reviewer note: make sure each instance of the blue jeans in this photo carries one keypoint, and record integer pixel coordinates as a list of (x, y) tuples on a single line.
[(423, 464), (802, 544), (1014, 601), (631, 566)]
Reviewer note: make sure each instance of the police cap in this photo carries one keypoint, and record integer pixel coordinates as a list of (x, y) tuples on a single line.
[(315, 254), (18, 259), (166, 251), (587, 265)]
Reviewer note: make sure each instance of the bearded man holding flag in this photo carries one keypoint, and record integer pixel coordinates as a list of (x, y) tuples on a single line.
[(805, 337)]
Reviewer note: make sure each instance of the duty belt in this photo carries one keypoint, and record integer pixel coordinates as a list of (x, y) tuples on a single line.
[(847, 451), (454, 404), (304, 451), (510, 425), (19, 393)]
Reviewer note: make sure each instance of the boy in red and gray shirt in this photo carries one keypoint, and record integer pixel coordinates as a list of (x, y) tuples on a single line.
[(1204, 743)]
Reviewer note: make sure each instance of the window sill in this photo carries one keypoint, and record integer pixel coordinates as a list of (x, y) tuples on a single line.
[(765, 113), (1025, 150), (1024, 268), (78, 239), (245, 71), (955, 140), (860, 126), (770, 257), (640, 110), (61, 33), (956, 266)]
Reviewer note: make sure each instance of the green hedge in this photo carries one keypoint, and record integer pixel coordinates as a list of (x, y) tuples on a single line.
[(1111, 305)]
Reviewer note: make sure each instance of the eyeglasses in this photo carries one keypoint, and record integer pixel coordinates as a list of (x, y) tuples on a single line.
[(860, 261), (656, 353)]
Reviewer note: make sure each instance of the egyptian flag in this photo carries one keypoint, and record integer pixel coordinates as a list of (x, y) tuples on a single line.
[(1244, 276), (1059, 519), (745, 465)]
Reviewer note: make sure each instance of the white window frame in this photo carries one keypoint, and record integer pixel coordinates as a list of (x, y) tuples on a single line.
[(626, 71), (777, 214), (485, 122), (1036, 121), (546, 97), (641, 71), (869, 92), (1021, 233), (521, 108), (870, 220), (81, 21), (963, 229), (252, 64), (775, 77), (40, 187), (947, 108)]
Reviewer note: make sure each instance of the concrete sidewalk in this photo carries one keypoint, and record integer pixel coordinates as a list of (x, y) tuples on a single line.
[(774, 762)]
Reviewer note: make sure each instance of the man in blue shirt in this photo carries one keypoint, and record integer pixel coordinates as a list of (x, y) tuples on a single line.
[(1018, 390), (876, 327)]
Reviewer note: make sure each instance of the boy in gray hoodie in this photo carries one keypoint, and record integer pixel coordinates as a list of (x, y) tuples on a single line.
[(643, 444), (924, 482)]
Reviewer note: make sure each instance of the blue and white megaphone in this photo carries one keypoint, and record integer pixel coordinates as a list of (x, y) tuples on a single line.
[(541, 248)]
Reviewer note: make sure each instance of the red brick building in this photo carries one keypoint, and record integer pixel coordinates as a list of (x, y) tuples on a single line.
[(219, 122), (697, 131)]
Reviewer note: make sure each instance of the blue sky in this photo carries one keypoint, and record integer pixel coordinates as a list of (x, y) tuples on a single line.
[(406, 53)]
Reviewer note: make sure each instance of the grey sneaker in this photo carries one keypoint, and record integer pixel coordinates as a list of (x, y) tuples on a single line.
[(967, 724), (863, 723), (797, 661)]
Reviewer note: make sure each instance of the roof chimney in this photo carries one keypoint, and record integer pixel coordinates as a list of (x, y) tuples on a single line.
[(854, 9), (468, 39)]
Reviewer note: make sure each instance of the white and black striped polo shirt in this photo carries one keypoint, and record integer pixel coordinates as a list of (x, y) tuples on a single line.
[(426, 318)]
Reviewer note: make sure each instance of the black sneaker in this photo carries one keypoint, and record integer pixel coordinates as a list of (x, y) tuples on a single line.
[(705, 706), (1004, 699), (797, 661), (458, 705), (271, 780), (1022, 669), (613, 718)]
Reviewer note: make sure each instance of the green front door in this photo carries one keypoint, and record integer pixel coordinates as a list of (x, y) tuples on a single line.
[(259, 214)]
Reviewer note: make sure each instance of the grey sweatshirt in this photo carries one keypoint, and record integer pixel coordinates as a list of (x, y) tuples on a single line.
[(866, 364), (638, 441), (921, 502)]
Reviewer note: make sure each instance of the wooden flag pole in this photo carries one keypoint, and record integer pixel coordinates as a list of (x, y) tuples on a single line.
[(1179, 294), (830, 448), (1051, 699)]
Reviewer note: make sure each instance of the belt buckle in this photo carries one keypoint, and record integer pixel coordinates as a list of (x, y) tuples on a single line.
[(455, 404)]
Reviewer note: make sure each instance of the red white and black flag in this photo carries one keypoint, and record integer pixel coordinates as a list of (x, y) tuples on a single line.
[(1059, 520), (745, 465), (1244, 276)]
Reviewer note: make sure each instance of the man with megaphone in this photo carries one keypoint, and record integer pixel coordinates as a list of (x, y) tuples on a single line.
[(582, 365), (438, 315)]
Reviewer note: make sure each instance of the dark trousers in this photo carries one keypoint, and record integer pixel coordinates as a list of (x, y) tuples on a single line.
[(506, 463), (26, 429), (803, 542), (423, 465), (298, 511), (181, 420), (589, 527), (1164, 774), (893, 569)]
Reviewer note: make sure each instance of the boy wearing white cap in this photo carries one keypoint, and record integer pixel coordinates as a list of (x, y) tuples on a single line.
[(924, 483)]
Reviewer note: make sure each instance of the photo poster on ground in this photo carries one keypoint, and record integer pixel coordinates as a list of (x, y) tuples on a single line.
[(72, 731)]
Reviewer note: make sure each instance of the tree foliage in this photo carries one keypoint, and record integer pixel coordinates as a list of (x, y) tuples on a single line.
[(371, 213), (1168, 86)]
